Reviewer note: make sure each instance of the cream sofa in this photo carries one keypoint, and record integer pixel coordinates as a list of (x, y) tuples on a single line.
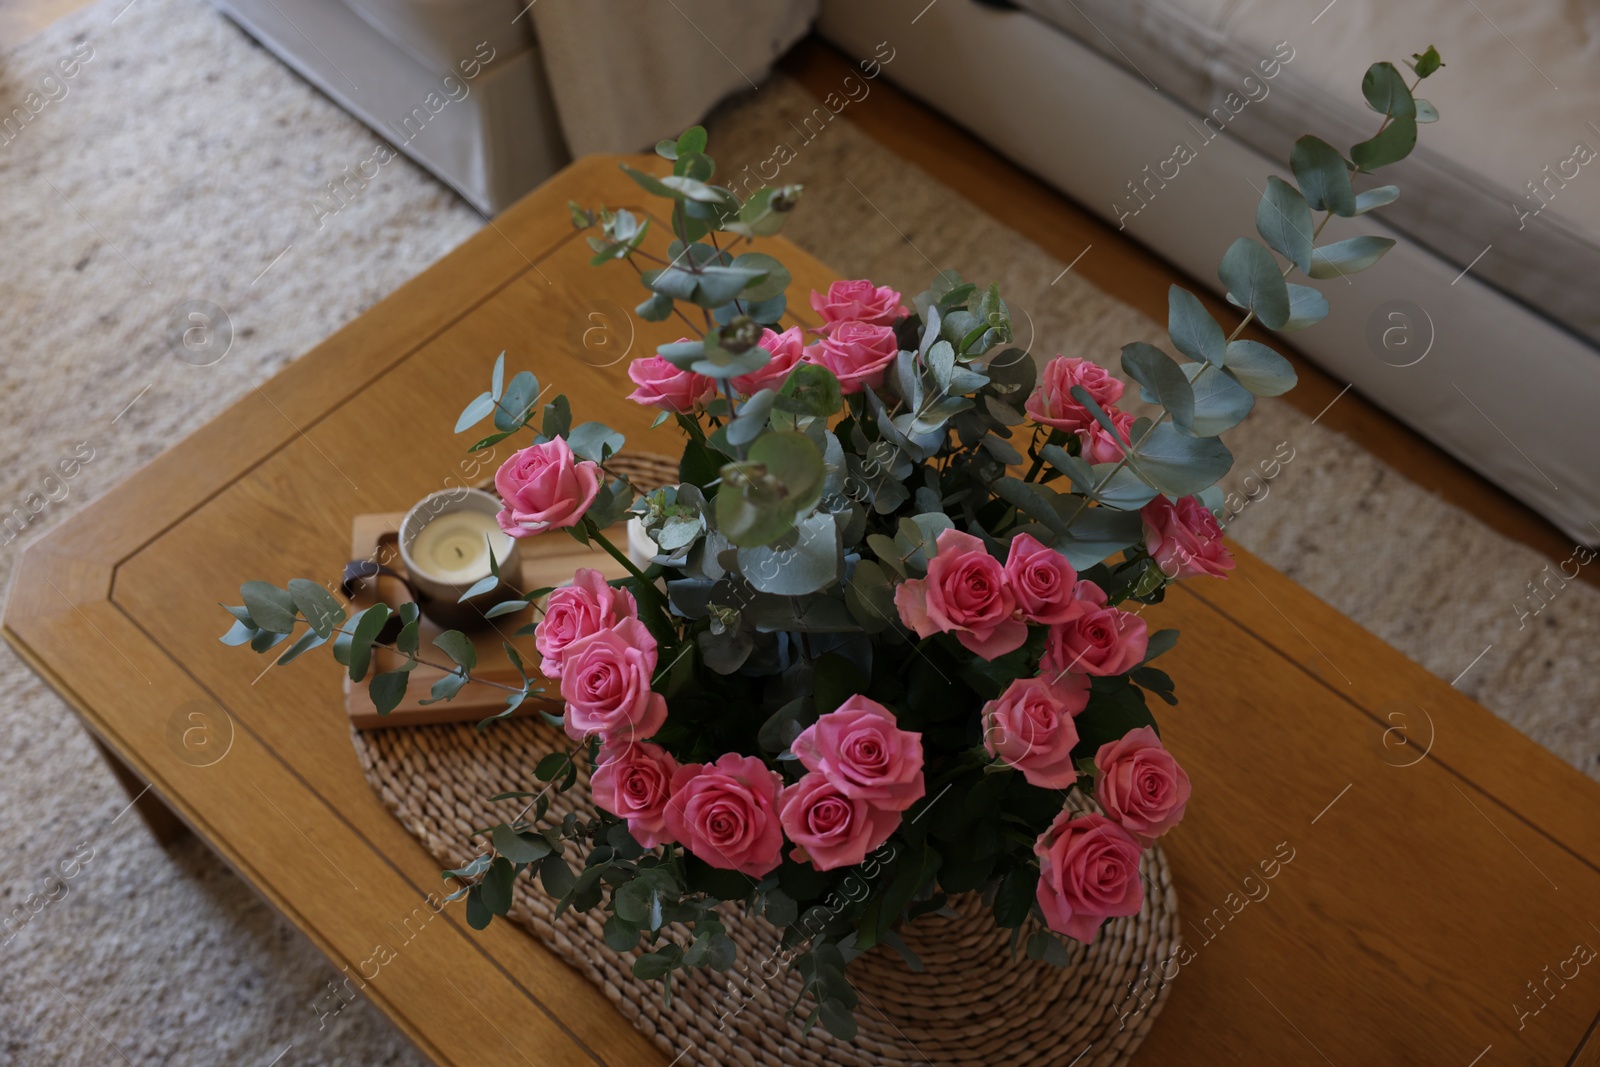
[(493, 96), (1479, 328)]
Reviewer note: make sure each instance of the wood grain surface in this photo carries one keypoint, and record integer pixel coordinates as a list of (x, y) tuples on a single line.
[(1425, 873)]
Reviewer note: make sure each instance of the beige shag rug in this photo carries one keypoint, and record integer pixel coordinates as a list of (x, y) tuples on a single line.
[(180, 166)]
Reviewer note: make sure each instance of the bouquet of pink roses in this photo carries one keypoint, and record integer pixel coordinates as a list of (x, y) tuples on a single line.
[(890, 619)]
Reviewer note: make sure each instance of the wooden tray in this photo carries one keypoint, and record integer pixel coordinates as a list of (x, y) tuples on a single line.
[(546, 561)]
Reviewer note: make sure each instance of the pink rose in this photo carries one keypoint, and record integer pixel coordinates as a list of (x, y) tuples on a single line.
[(858, 748), (1184, 538), (788, 349), (858, 301), (857, 353), (727, 813), (1030, 727), (829, 828), (605, 680), (545, 487), (1042, 581), (965, 592), (634, 782), (1101, 640), (1088, 872), (1098, 445), (667, 387), (585, 607), (1141, 785), (1052, 403)]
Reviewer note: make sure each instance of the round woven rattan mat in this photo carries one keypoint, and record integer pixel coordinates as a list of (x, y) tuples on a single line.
[(973, 1003)]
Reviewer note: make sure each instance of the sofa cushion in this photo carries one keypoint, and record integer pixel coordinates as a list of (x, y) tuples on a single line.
[(442, 34), (1513, 167)]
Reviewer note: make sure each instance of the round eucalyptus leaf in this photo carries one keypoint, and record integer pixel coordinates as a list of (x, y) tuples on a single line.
[(1260, 369), (1253, 276), (1178, 464), (1220, 402), (763, 496), (1324, 176), (1348, 256), (776, 278), (270, 608)]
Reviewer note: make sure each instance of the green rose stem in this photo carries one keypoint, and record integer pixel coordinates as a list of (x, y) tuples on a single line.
[(646, 586), (976, 761), (1056, 437), (691, 426), (616, 553)]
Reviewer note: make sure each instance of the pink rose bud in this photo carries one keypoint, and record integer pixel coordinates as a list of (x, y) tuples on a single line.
[(1052, 402), (1101, 640), (726, 813), (858, 301), (587, 606), (965, 593), (829, 828), (667, 387), (605, 680), (858, 748), (1098, 445), (788, 350), (1088, 872), (1141, 785), (634, 781), (1030, 727), (1042, 581), (857, 353), (545, 487), (1184, 538)]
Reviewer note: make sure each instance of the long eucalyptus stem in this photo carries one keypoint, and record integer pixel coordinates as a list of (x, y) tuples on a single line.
[(450, 669), (617, 554), (1249, 317)]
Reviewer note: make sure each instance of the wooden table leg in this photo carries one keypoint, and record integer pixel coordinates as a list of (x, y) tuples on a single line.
[(164, 826)]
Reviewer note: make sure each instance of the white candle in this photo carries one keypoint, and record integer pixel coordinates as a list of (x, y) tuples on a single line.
[(444, 542), (454, 547)]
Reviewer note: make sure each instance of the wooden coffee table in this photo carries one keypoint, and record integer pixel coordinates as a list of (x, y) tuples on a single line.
[(1440, 866)]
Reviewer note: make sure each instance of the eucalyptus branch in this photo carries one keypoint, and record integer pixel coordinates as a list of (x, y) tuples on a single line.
[(1250, 316), (412, 657), (675, 309), (571, 752)]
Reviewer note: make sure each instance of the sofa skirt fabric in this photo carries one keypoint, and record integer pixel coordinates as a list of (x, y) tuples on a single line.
[(494, 96)]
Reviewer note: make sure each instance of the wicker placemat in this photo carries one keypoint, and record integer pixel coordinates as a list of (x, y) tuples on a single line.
[(973, 1004)]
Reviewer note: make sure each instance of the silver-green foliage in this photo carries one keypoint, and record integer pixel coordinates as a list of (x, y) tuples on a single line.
[(800, 508)]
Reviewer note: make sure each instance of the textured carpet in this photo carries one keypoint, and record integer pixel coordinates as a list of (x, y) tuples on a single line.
[(180, 166)]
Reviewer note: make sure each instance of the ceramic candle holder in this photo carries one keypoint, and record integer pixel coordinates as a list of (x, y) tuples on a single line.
[(445, 543)]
